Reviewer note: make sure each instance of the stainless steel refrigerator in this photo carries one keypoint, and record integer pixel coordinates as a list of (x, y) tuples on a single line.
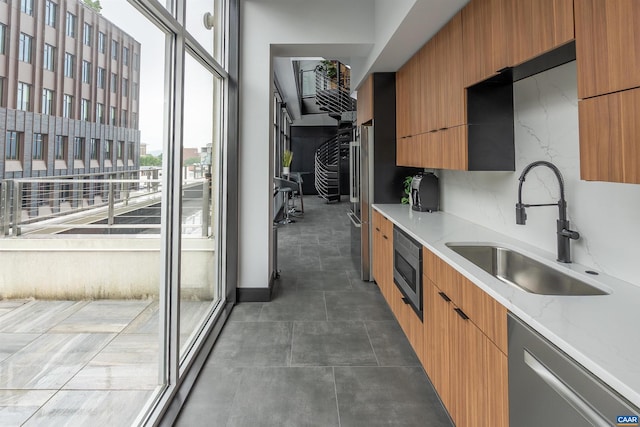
[(373, 174)]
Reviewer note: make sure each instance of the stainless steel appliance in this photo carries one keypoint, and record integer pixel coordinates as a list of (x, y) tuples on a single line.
[(547, 388), (407, 269), (374, 176), (425, 193)]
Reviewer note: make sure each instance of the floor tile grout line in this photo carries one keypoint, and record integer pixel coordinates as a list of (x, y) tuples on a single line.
[(335, 389), (293, 328), (370, 342)]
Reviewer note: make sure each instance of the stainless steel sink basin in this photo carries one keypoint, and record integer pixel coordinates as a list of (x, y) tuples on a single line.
[(519, 270)]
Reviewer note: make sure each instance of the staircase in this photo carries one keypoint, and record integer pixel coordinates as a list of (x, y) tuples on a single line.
[(333, 96), (329, 159)]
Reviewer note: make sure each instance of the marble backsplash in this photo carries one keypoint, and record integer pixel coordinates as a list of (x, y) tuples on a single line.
[(607, 215)]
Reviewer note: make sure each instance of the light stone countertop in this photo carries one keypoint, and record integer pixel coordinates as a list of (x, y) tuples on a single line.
[(599, 332)]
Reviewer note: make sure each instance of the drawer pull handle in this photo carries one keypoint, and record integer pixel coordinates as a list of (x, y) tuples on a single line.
[(385, 237), (461, 313), (406, 300), (444, 296), (377, 229)]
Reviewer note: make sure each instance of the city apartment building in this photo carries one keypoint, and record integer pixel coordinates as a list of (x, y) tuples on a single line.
[(69, 91)]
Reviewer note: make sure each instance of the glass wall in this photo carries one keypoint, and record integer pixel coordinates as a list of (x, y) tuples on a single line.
[(128, 208)]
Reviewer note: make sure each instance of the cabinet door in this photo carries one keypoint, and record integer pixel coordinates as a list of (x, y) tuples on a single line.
[(607, 43), (430, 150), (409, 151), (539, 26), (468, 373), (454, 148), (378, 249), (409, 322), (437, 342), (484, 39), (365, 101), (486, 313), (451, 96), (402, 102), (429, 95), (609, 132), (387, 244), (496, 396)]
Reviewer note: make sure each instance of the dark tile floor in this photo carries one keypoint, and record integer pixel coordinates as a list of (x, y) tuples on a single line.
[(326, 351)]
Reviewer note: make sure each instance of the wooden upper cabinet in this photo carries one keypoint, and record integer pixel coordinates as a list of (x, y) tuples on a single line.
[(538, 26), (408, 95), (609, 133), (441, 74), (484, 39), (365, 101), (403, 94), (450, 75), (429, 99), (607, 46)]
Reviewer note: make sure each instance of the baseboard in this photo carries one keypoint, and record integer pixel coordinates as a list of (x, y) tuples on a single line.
[(255, 294)]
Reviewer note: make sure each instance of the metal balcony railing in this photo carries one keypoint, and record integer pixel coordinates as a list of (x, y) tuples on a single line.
[(130, 204)]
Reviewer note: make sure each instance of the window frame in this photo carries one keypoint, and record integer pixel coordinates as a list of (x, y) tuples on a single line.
[(3, 38), (25, 47), (114, 49), (69, 65), (51, 13), (13, 149), (23, 101), (26, 7), (78, 148), (86, 72), (94, 148), (39, 145), (85, 109), (60, 147), (67, 106), (101, 78), (71, 24), (99, 113), (48, 97), (48, 57), (102, 45), (87, 36)]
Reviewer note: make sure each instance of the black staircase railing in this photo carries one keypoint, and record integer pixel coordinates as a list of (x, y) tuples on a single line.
[(332, 95), (328, 159)]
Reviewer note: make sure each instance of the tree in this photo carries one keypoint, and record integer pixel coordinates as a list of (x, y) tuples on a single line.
[(191, 161), (94, 4), (150, 160)]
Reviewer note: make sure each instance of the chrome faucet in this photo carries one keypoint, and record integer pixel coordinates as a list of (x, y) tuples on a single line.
[(565, 235)]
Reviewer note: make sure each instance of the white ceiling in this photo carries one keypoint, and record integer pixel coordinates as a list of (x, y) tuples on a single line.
[(398, 29)]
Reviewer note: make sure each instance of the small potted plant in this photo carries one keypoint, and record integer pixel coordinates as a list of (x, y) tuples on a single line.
[(406, 199), (287, 157)]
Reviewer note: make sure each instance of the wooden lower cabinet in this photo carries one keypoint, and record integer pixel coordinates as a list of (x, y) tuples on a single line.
[(467, 369), (409, 321), (383, 253)]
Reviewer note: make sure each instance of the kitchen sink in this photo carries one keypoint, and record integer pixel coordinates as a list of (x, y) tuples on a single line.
[(526, 273)]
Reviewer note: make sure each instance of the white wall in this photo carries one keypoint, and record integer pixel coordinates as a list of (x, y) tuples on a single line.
[(546, 128), (283, 28)]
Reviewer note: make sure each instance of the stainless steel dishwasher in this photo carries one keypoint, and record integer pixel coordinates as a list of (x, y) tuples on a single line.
[(547, 388)]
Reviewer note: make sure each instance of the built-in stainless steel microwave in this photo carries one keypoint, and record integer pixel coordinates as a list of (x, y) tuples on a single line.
[(407, 269)]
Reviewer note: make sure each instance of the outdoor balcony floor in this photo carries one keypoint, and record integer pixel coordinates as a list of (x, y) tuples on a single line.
[(81, 362)]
